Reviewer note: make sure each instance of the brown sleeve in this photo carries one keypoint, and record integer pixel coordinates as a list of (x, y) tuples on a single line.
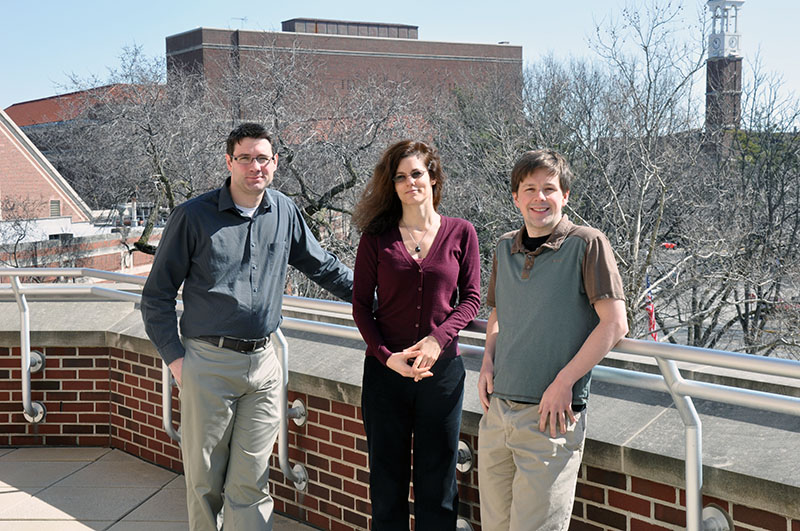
[(601, 278)]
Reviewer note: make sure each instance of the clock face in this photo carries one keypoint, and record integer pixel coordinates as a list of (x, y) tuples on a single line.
[(733, 42), (715, 43)]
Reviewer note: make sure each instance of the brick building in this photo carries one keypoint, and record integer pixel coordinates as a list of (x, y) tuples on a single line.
[(43, 221), (346, 51), (28, 178)]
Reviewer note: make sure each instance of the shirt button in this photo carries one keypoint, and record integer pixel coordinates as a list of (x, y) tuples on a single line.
[(419, 307), (255, 267), (419, 288), (255, 290), (416, 326)]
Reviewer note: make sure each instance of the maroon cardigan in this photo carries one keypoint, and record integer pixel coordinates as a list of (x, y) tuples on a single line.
[(436, 297)]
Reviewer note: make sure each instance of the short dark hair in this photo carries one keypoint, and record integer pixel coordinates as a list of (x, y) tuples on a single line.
[(379, 207), (246, 130), (549, 159)]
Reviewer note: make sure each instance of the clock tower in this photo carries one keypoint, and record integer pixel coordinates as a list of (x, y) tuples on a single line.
[(724, 66)]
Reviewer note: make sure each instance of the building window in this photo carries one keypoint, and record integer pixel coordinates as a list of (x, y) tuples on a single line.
[(55, 208)]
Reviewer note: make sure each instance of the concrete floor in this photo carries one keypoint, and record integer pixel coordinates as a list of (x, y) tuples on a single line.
[(66, 489)]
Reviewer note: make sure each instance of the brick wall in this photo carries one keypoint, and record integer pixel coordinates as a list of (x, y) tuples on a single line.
[(104, 396), (135, 409), (24, 179), (343, 62), (74, 388)]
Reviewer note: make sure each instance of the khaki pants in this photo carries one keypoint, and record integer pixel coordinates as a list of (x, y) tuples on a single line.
[(229, 423), (526, 479)]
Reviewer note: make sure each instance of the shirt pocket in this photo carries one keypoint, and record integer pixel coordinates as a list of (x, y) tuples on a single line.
[(276, 259)]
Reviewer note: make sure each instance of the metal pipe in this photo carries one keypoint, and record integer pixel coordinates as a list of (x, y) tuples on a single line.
[(108, 293), (41, 272), (694, 444), (703, 356), (351, 332), (111, 275), (317, 327), (71, 272), (24, 347), (166, 402), (114, 294), (639, 380), (49, 290), (344, 308), (740, 397), (296, 474)]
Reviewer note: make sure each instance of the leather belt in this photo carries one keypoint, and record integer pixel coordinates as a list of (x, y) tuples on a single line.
[(233, 343)]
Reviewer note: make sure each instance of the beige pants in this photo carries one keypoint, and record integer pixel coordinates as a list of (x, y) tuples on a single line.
[(526, 479), (229, 423)]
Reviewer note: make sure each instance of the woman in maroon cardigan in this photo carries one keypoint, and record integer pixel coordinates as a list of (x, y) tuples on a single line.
[(426, 270)]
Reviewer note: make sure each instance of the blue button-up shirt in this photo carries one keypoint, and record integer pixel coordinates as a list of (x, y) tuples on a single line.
[(233, 269)]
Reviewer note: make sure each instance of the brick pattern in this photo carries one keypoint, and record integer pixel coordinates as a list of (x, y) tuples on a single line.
[(74, 388), (333, 448), (101, 396), (135, 409), (94, 396), (342, 63)]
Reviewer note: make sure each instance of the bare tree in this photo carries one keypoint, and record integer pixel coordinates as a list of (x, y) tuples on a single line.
[(762, 219), (16, 227), (141, 138), (20, 240), (480, 131)]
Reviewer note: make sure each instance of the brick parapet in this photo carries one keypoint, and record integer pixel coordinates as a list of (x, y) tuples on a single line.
[(106, 391)]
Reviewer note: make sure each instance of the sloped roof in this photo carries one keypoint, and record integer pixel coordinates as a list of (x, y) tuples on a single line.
[(56, 108), (19, 142)]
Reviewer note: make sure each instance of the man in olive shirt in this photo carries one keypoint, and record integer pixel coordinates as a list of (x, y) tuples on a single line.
[(230, 249), (558, 308)]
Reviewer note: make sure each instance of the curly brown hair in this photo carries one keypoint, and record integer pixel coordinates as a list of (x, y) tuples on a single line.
[(379, 208)]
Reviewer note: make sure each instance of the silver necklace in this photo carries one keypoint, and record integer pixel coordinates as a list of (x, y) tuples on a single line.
[(417, 248)]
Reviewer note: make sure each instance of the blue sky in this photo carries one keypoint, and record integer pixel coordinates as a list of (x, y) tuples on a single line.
[(42, 42)]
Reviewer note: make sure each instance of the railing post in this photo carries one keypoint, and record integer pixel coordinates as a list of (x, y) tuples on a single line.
[(694, 444), (297, 473), (34, 411), (166, 402)]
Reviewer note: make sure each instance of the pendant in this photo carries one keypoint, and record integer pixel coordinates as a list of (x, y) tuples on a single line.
[(417, 249)]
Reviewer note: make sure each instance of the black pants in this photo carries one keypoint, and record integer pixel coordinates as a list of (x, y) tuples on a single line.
[(394, 408)]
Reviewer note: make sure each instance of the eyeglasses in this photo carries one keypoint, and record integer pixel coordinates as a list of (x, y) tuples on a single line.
[(415, 175), (246, 160)]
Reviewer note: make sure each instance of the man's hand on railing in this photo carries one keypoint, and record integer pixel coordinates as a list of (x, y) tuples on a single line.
[(175, 368)]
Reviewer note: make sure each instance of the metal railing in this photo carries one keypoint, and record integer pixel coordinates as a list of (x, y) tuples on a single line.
[(666, 356), (670, 381), (35, 412)]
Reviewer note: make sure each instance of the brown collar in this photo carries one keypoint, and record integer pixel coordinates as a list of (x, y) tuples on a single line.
[(554, 242)]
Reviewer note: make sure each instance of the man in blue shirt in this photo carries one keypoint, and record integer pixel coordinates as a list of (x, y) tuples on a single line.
[(230, 249)]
